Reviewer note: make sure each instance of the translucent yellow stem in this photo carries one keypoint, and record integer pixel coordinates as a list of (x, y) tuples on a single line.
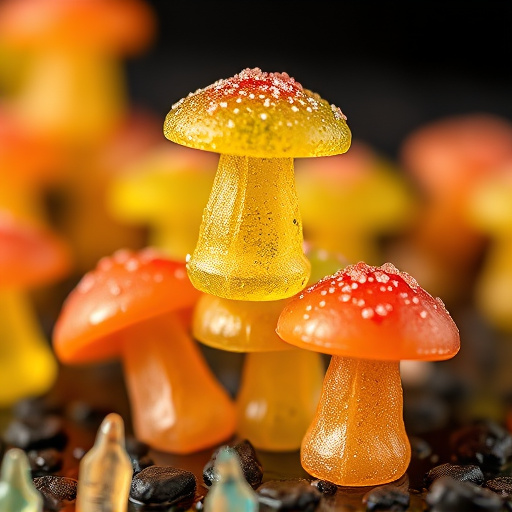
[(27, 364), (278, 397), (250, 240)]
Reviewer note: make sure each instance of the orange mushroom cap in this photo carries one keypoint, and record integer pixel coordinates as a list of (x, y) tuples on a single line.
[(30, 255), (112, 26), (258, 114), (370, 313), (124, 289)]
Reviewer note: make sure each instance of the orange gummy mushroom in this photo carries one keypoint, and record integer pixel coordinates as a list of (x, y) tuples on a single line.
[(250, 240), (130, 306), (30, 256), (368, 318)]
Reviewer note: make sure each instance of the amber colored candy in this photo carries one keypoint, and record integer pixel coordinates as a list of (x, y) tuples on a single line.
[(105, 472), (277, 398), (250, 240), (17, 491), (368, 318), (132, 306)]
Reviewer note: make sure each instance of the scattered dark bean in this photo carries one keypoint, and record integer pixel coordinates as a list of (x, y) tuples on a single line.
[(325, 487), (140, 463), (387, 497), (249, 462), (293, 494), (42, 462), (57, 491), (501, 485), (449, 495), (36, 433), (163, 484), (420, 449), (135, 447), (484, 443), (465, 473), (29, 408)]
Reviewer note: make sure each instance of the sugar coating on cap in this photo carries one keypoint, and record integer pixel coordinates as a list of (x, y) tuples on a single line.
[(258, 114), (124, 289), (372, 313), (30, 255)]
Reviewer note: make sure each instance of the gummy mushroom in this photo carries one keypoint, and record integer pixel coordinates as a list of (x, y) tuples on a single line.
[(30, 256), (368, 318), (133, 305), (250, 239), (73, 85)]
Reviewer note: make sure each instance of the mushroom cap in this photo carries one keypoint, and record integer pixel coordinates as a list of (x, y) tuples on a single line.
[(258, 114), (370, 313), (30, 255), (124, 289), (111, 26), (450, 155)]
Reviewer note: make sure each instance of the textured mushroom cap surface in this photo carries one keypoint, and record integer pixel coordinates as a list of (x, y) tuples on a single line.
[(117, 26), (124, 289), (371, 313), (30, 255), (258, 114)]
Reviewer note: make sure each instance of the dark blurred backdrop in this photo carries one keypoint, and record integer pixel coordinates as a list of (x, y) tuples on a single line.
[(390, 66)]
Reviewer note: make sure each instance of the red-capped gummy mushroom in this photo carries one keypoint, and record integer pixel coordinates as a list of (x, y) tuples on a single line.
[(131, 305), (30, 256), (250, 240), (368, 318)]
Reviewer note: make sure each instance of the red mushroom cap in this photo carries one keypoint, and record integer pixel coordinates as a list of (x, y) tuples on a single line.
[(370, 313), (30, 255), (124, 289)]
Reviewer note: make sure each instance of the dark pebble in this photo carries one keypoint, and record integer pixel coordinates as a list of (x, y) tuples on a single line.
[(465, 473), (501, 485), (293, 494), (163, 484), (29, 408), (42, 462), (449, 495), (85, 414), (36, 433), (420, 449), (325, 487), (140, 463), (485, 443), (136, 448), (249, 462), (57, 491), (386, 497)]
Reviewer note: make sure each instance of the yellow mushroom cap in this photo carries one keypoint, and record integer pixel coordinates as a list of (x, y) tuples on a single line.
[(261, 115)]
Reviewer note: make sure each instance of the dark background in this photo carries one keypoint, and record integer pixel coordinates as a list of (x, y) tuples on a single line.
[(390, 66)]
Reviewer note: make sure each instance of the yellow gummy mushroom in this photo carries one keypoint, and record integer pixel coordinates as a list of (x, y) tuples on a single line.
[(165, 191), (250, 239)]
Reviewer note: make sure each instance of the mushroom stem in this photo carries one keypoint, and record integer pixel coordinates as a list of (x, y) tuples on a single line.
[(250, 240), (77, 96), (358, 436), (28, 367), (177, 404), (278, 397)]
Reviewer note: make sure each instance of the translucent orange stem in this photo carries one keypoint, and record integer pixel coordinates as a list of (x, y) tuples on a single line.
[(278, 397), (177, 404), (358, 436)]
